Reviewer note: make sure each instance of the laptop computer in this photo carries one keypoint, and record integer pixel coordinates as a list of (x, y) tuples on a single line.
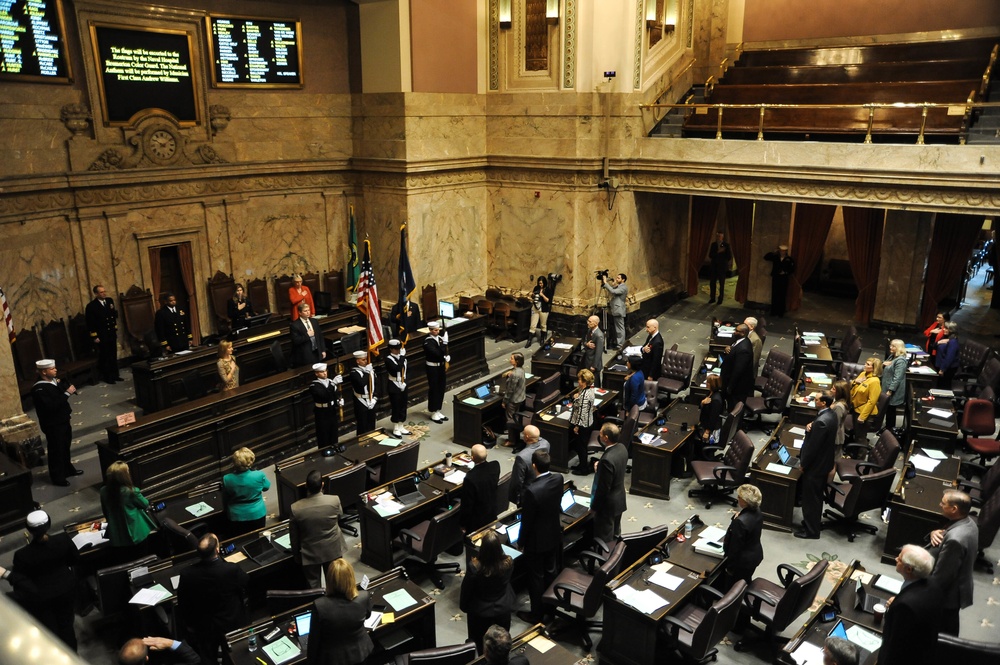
[(867, 599), (262, 551), (483, 391), (302, 626), (569, 505), (446, 309), (407, 492), (860, 635), (513, 533), (787, 458)]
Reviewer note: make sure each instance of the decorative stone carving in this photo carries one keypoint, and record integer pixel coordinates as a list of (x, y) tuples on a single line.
[(208, 155), (76, 117), (218, 117)]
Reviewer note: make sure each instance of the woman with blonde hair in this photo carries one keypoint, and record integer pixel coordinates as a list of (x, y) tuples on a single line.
[(229, 371), (894, 379), (338, 635), (581, 418), (124, 509), (243, 493), (865, 389), (299, 293), (742, 541)]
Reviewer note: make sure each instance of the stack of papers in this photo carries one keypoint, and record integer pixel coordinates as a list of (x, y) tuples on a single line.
[(923, 369), (199, 509), (562, 346), (282, 650), (924, 463), (89, 538), (456, 477), (564, 415), (284, 541), (472, 401), (808, 654), (798, 431), (934, 454), (151, 596), (399, 599), (392, 443), (666, 580), (386, 505), (940, 413), (646, 601), (774, 467)]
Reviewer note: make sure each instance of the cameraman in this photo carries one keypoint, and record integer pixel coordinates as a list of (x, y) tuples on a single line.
[(541, 305), (616, 303)]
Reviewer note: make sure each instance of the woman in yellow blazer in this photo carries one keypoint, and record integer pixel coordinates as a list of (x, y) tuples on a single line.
[(865, 390)]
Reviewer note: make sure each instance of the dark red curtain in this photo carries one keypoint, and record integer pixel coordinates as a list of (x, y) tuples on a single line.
[(704, 210), (739, 220), (154, 274), (863, 231), (951, 245), (187, 274), (812, 225)]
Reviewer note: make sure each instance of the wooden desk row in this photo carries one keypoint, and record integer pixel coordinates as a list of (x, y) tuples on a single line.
[(471, 413), (553, 423), (663, 450)]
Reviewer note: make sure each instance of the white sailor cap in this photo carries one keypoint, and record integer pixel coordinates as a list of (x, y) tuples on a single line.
[(319, 367), (783, 248), (45, 363), (37, 518), (395, 343), (360, 354), (434, 324)]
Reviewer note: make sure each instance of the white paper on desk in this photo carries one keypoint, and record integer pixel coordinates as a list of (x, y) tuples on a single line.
[(528, 375), (940, 392), (384, 510), (808, 654), (934, 454), (472, 401), (817, 376), (940, 413), (399, 599), (864, 638), (183, 353), (923, 369), (373, 620), (812, 334), (773, 467), (810, 342), (890, 584), (924, 463), (284, 541), (633, 351), (582, 500), (150, 596), (563, 346), (455, 477), (175, 582), (647, 601), (646, 437), (666, 580), (724, 335), (564, 415), (510, 551), (392, 443), (797, 443), (713, 533), (541, 644), (199, 509), (88, 537), (810, 356), (663, 566), (797, 431), (728, 329)]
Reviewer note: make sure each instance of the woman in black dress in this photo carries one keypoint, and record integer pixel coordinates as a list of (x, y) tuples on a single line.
[(239, 309), (742, 543), (487, 597)]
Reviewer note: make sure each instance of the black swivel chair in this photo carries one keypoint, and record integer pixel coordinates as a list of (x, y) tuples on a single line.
[(720, 477), (279, 601), (181, 539), (455, 654), (423, 543), (503, 492), (399, 461), (640, 543), (696, 627), (858, 494), (778, 605), (114, 589), (348, 485), (676, 373), (879, 457), (194, 385), (773, 398)]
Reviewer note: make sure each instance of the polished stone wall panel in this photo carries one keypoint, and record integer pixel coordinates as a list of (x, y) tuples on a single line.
[(38, 271)]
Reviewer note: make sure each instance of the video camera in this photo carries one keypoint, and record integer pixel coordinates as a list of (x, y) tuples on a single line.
[(601, 274), (554, 278)]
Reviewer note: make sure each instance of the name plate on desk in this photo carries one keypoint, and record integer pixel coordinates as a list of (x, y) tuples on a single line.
[(125, 419)]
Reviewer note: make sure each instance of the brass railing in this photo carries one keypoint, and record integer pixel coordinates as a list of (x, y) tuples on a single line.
[(968, 106), (670, 86)]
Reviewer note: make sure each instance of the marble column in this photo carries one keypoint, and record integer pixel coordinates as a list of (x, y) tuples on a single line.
[(15, 427), (905, 245), (772, 221)]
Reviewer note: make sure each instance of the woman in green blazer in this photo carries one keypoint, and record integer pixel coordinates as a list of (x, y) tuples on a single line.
[(243, 492), (124, 508)]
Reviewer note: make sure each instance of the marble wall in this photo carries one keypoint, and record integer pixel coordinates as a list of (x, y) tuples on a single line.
[(771, 227), (905, 244)]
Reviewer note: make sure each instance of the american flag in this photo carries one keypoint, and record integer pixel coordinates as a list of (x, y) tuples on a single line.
[(368, 301), (7, 317)]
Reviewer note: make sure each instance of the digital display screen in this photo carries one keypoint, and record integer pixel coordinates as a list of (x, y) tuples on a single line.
[(251, 52), (33, 41), (144, 69)]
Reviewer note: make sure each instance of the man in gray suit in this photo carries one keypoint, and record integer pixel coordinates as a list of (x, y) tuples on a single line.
[(817, 457), (616, 303), (608, 501), (522, 473), (954, 549), (593, 349), (755, 340), (315, 529)]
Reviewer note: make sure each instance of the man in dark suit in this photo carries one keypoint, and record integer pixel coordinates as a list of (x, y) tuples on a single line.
[(308, 345), (608, 501), (912, 618), (327, 402), (173, 327), (592, 345), (816, 457), (365, 400), (136, 651), (315, 529), (210, 599), (955, 548), (479, 491), (541, 532), (652, 351), (102, 324), (52, 408), (737, 368), (720, 255), (436, 359), (521, 474)]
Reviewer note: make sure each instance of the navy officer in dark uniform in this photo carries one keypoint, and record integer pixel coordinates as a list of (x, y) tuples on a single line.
[(102, 324), (327, 402), (395, 365), (436, 359), (365, 400), (53, 411), (173, 327)]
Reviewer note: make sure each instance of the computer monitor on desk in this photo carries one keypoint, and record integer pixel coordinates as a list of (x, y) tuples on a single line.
[(446, 309)]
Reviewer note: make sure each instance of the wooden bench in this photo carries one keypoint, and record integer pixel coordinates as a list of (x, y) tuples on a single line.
[(55, 339), (944, 92), (856, 55), (885, 72)]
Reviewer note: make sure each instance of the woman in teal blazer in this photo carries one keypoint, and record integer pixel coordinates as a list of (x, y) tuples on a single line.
[(124, 508), (243, 492)]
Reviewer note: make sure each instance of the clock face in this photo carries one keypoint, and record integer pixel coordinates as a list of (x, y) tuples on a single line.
[(161, 145)]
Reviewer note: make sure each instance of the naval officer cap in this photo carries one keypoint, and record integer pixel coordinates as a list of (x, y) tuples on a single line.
[(319, 367), (395, 343), (37, 518), (434, 325), (360, 354), (783, 248), (45, 363)]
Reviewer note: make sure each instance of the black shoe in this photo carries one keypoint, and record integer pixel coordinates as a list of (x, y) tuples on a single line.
[(528, 617), (61, 483), (579, 470), (802, 533), (76, 472)]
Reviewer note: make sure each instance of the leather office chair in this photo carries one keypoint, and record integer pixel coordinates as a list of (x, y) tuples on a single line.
[(863, 459), (988, 521), (849, 371), (860, 431), (845, 341), (977, 423), (778, 605), (627, 426), (279, 601), (466, 304), (952, 649), (639, 543), (858, 494), (577, 596), (501, 320), (676, 375), (971, 357), (720, 478), (989, 481), (696, 627), (988, 377), (278, 357), (503, 493), (399, 461), (423, 543), (348, 485), (648, 414), (733, 422), (113, 587), (851, 354), (181, 539), (773, 399), (546, 392), (775, 360), (484, 307), (493, 293), (455, 654)]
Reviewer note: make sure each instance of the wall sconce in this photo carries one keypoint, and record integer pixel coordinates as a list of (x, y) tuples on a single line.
[(505, 14), (651, 14), (552, 12)]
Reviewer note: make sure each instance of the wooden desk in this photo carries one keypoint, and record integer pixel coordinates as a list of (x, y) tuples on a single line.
[(699, 387), (554, 654), (927, 429), (662, 457), (549, 359), (158, 381), (614, 371), (417, 620), (520, 315), (553, 423), (631, 637), (470, 418), (15, 495), (914, 507), (810, 385), (778, 489), (815, 352), (720, 335)]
